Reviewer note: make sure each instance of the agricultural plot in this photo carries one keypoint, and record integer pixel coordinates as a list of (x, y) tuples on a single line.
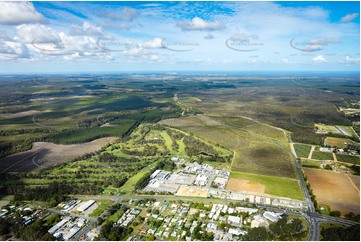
[(348, 158), (327, 128), (346, 130), (253, 153), (302, 150), (318, 155), (338, 142), (310, 164), (335, 189), (277, 186)]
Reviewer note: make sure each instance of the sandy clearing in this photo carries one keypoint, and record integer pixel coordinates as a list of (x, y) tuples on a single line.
[(335, 189), (238, 185), (191, 191)]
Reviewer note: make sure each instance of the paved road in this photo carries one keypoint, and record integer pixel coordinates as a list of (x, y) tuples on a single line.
[(311, 216)]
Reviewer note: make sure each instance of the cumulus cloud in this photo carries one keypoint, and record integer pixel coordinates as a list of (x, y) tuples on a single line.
[(351, 60), (140, 52), (152, 44), (10, 50), (36, 33), (87, 29), (15, 13), (200, 24), (349, 17), (319, 59)]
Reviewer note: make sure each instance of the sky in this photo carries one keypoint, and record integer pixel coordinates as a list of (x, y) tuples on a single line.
[(87, 37)]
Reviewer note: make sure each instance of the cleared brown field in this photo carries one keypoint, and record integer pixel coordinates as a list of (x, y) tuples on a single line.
[(191, 192), (238, 185), (339, 142), (44, 155), (335, 189)]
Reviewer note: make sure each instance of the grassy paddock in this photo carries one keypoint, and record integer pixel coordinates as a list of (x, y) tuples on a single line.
[(318, 155), (302, 150), (277, 186), (128, 187), (104, 204), (348, 158)]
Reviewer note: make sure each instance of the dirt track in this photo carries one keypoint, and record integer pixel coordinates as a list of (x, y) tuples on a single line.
[(44, 155)]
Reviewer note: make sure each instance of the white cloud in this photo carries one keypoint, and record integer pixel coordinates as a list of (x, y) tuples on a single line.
[(200, 24), (15, 13), (319, 59), (349, 17), (87, 29), (152, 44), (350, 60), (36, 33), (10, 50), (124, 14)]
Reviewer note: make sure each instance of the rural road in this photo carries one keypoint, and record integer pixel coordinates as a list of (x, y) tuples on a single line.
[(313, 218)]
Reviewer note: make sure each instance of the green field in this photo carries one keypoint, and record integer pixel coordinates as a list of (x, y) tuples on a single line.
[(347, 130), (348, 158), (278, 186), (310, 163), (318, 155), (128, 187), (103, 204), (302, 150)]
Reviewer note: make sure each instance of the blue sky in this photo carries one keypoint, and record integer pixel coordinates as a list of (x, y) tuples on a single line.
[(38, 37)]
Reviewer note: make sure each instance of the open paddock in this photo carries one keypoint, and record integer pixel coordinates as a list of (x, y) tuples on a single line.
[(241, 185), (338, 142), (339, 191)]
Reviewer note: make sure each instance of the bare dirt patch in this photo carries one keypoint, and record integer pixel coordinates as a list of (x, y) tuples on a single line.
[(44, 155), (191, 191), (239, 185), (335, 189)]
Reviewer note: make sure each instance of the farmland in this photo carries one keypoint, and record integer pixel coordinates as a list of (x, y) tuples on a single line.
[(338, 142), (335, 189), (253, 152), (348, 158), (240, 122), (278, 186), (302, 150), (318, 155)]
